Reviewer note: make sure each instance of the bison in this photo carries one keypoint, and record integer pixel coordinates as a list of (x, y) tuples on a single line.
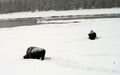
[(35, 53), (92, 35)]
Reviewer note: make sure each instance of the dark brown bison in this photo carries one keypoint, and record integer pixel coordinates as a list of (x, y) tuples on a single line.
[(35, 53), (92, 35)]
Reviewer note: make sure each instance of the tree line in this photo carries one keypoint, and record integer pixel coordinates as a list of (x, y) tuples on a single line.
[(9, 6)]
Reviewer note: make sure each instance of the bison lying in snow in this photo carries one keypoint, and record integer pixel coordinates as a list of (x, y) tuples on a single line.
[(35, 53), (92, 35)]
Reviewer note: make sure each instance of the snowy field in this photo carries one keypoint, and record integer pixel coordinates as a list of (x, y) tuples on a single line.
[(69, 51)]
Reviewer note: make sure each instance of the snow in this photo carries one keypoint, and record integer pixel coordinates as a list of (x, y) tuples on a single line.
[(68, 49), (60, 13)]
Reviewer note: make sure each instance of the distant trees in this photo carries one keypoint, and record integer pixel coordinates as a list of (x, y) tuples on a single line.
[(9, 6)]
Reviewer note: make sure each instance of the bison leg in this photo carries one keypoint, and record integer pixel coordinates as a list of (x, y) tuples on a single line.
[(43, 55)]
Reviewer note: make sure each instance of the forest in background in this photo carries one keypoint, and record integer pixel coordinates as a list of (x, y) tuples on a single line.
[(10, 6)]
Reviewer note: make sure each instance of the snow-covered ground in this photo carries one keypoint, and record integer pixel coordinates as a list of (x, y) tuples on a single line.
[(60, 13), (69, 51)]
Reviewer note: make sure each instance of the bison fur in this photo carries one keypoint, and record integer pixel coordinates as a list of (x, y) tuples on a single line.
[(92, 35), (35, 53)]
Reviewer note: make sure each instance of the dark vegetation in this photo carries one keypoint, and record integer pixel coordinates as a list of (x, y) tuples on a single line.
[(9, 6)]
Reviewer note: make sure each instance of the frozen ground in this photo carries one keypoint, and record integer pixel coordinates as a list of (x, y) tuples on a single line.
[(69, 51)]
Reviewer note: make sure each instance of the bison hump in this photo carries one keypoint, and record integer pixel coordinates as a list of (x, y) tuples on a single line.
[(37, 50)]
